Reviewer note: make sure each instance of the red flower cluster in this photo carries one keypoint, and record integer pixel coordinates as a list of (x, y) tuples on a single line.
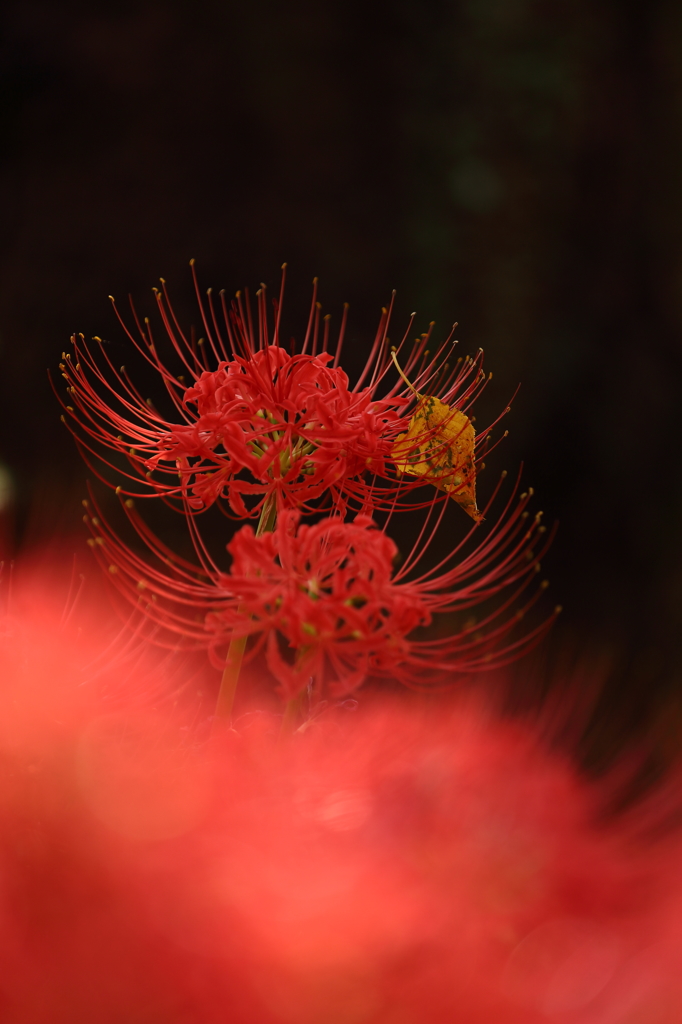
[(330, 595), (281, 434), (327, 591), (290, 422), (263, 426)]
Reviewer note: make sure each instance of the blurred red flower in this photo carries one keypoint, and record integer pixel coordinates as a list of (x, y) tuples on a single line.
[(413, 861)]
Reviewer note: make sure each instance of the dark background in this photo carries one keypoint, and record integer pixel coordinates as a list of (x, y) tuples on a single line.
[(511, 164)]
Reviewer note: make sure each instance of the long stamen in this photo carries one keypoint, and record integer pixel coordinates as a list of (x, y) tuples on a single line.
[(412, 388)]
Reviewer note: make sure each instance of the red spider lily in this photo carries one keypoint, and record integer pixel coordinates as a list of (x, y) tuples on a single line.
[(329, 594), (290, 421), (411, 862), (255, 425)]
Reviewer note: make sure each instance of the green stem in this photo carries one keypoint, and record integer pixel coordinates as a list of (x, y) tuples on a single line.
[(292, 711), (230, 679), (235, 652)]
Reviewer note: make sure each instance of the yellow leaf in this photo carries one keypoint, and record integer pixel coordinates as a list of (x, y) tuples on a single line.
[(439, 446)]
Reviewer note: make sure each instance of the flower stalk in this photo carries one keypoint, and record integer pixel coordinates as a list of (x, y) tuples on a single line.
[(235, 652)]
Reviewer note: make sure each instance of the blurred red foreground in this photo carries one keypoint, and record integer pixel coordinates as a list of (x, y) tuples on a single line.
[(403, 864)]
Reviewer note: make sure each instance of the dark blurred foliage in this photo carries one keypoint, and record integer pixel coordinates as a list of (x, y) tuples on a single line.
[(511, 164)]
